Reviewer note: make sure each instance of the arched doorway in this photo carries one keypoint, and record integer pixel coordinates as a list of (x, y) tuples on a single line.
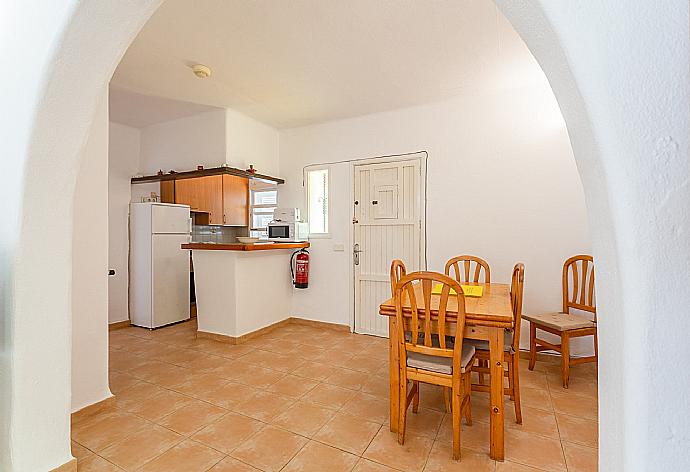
[(630, 146)]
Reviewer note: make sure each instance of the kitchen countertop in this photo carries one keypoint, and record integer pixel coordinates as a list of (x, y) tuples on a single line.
[(244, 247)]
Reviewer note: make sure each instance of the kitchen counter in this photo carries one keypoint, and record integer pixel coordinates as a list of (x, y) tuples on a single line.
[(244, 247), (241, 288)]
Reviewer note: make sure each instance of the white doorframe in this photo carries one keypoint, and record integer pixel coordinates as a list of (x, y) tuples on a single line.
[(423, 157)]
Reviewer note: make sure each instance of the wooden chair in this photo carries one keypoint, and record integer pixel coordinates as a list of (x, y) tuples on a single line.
[(511, 350), (580, 271), (419, 360), (397, 272), (468, 269)]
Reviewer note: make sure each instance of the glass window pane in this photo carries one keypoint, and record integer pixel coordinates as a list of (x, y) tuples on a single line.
[(267, 197), (260, 221), (317, 197)]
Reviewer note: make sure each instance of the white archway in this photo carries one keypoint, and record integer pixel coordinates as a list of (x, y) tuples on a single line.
[(627, 116)]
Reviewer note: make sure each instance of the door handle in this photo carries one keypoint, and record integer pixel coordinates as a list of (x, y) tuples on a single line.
[(355, 253)]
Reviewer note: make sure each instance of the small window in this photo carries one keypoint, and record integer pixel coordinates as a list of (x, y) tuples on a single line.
[(317, 201), (263, 201)]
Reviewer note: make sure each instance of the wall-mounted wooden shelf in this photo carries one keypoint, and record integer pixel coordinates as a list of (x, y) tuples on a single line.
[(203, 173)]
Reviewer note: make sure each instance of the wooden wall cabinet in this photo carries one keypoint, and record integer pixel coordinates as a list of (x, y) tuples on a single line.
[(202, 194), (225, 197), (235, 200)]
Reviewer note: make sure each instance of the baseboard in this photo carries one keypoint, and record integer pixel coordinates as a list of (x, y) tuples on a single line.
[(224, 338), (542, 356), (93, 409), (319, 324), (70, 466), (119, 325)]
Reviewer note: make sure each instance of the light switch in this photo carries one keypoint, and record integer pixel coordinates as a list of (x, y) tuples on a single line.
[(339, 247)]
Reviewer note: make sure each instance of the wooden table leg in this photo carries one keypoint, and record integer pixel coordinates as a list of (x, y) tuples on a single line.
[(497, 451), (394, 374)]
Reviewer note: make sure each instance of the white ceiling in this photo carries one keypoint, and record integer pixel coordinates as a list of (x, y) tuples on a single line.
[(139, 111), (298, 62)]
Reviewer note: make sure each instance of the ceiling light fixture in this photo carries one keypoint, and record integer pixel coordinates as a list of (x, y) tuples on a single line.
[(201, 71)]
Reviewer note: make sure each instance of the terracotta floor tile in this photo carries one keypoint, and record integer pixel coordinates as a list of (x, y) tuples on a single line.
[(107, 429), (96, 463), (475, 437), (368, 363), (534, 421), (533, 379), (508, 466), (228, 432), (200, 385), (260, 377), (264, 406), (313, 370), (181, 357), (533, 450), (270, 449), (158, 405), (79, 451), (229, 395), (292, 386), (575, 405), (378, 385), (441, 460), (411, 456), (133, 396), (207, 363), (329, 396), (425, 423), (580, 387), (187, 456), (578, 430), (369, 407), (230, 464), (348, 433), (580, 458), (120, 381), (347, 378), (365, 465), (192, 417), (138, 448), (536, 398), (317, 457), (431, 396), (303, 418)]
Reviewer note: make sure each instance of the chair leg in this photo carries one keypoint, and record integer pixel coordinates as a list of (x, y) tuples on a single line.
[(532, 345), (511, 374), (514, 359), (456, 422), (468, 393), (480, 363), (565, 358), (403, 408), (415, 399), (446, 398)]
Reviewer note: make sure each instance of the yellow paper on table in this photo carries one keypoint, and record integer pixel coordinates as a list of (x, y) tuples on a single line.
[(468, 290)]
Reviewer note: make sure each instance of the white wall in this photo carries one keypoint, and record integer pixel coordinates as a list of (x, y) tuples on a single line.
[(501, 184), (251, 142), (184, 143), (123, 163), (89, 269)]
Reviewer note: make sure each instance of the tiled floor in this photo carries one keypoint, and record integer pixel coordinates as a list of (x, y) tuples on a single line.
[(307, 399)]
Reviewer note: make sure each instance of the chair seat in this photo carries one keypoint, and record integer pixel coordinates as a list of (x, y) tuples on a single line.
[(561, 321), (442, 365), (482, 345)]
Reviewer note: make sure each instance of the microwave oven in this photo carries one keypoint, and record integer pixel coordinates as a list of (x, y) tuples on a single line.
[(287, 231)]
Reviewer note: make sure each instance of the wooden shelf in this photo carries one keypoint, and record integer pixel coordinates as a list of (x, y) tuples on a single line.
[(244, 247), (203, 173)]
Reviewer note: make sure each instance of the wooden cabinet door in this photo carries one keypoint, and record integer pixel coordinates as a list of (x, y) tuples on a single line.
[(202, 194), (235, 200)]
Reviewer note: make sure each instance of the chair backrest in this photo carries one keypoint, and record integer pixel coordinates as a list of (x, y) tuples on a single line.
[(397, 272), (428, 312), (517, 283), (468, 269), (578, 284)]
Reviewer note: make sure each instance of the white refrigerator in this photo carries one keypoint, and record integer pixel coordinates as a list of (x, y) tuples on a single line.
[(158, 266)]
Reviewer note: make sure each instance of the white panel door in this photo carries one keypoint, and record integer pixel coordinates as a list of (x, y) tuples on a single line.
[(387, 225), (170, 279)]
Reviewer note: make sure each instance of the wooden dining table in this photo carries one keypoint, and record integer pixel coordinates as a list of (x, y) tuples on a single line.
[(486, 319)]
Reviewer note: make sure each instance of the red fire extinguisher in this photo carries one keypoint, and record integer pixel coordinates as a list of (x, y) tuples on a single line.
[(300, 269)]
